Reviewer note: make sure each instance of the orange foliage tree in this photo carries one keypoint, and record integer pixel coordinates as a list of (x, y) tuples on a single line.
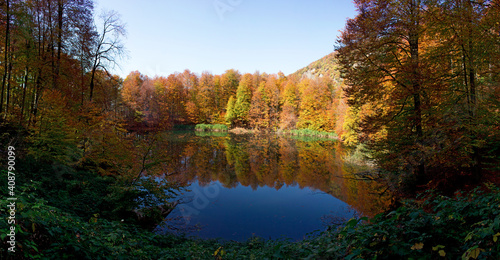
[(420, 76), (316, 110)]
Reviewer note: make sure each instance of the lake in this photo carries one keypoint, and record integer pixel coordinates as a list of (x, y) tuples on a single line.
[(270, 186)]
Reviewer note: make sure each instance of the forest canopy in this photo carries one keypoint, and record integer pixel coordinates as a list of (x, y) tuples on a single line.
[(258, 101)]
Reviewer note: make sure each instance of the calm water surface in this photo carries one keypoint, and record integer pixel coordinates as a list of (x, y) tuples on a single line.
[(239, 186)]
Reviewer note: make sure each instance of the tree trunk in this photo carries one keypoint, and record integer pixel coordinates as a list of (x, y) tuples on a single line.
[(9, 75), (7, 32), (21, 118), (416, 84), (36, 95), (60, 11), (476, 156), (92, 76)]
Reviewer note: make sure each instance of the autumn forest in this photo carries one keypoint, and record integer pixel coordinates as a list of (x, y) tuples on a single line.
[(413, 86)]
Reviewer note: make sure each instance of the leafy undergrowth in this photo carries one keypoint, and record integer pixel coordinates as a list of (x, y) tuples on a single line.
[(433, 227), (464, 227)]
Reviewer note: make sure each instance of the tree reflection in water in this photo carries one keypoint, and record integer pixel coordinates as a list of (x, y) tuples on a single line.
[(262, 163)]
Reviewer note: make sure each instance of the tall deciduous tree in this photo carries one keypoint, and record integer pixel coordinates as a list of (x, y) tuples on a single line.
[(229, 83), (258, 114), (422, 75), (230, 114), (243, 100), (290, 104), (316, 104), (206, 98), (108, 46), (379, 53), (6, 51), (469, 37)]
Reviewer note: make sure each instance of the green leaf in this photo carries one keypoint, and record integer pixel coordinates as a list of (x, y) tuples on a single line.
[(436, 248), (473, 252), (418, 246), (495, 237), (469, 236), (476, 252)]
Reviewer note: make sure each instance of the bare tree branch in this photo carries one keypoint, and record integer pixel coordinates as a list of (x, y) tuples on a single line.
[(108, 48)]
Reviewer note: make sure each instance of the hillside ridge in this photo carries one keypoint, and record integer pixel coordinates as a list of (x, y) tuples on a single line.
[(325, 66)]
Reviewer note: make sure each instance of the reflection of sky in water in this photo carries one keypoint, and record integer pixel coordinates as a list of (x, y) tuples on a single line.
[(252, 167), (240, 212)]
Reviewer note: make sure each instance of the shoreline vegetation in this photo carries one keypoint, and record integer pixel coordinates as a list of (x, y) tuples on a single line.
[(240, 130), (310, 133), (211, 128)]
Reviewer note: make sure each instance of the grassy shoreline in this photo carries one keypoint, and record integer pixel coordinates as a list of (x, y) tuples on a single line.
[(309, 132), (211, 128), (239, 130)]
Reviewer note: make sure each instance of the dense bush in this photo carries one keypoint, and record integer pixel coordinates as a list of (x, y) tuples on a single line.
[(309, 132), (466, 227), (214, 128)]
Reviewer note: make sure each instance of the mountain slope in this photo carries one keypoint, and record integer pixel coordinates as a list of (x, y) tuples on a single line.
[(325, 66)]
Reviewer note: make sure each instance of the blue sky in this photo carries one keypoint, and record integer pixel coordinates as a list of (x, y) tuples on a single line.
[(167, 36)]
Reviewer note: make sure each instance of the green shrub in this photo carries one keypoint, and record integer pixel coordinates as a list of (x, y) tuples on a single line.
[(310, 133), (213, 128)]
